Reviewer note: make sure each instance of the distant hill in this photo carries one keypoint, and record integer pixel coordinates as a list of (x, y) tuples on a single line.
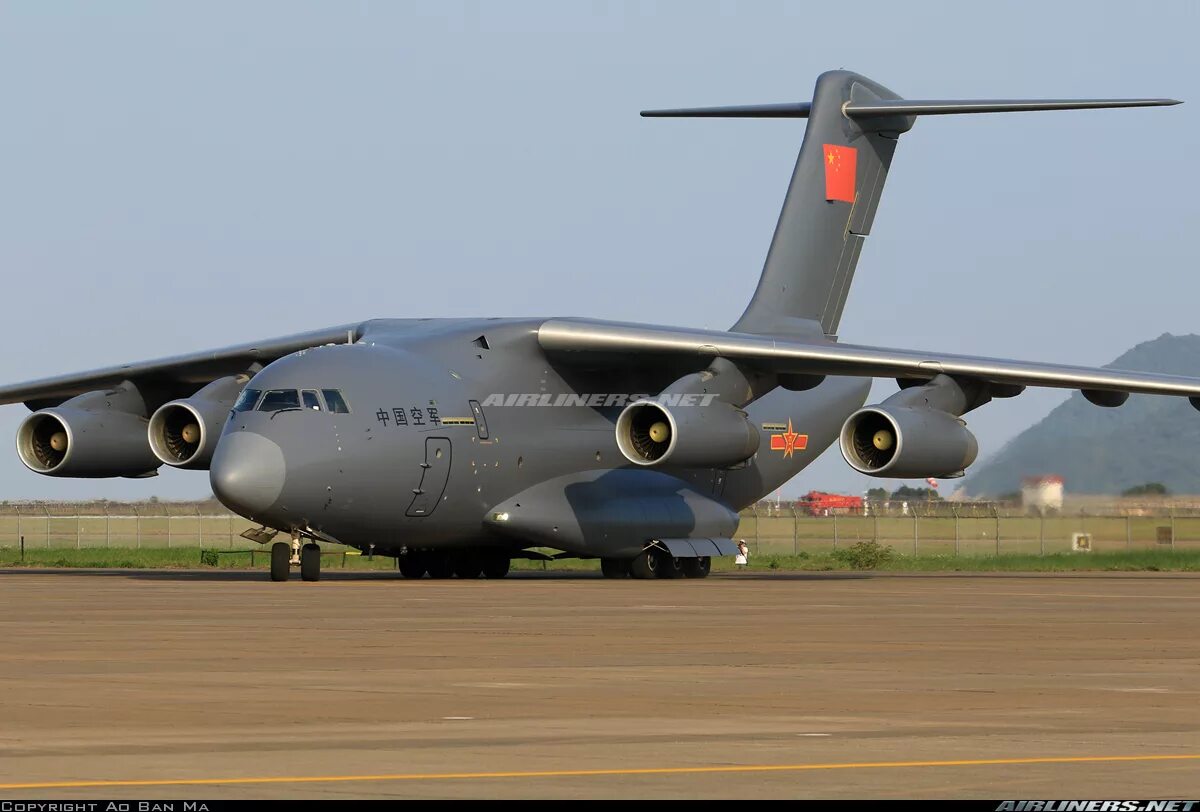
[(1096, 450)]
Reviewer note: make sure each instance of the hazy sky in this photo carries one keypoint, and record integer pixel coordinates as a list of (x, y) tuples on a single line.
[(183, 176)]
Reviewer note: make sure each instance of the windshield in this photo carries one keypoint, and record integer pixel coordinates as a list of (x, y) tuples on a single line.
[(247, 399), (335, 401), (279, 399)]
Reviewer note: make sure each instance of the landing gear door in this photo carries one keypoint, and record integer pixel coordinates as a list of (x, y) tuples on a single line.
[(435, 471)]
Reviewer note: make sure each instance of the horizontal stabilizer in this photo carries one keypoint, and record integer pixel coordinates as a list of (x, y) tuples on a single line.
[(906, 107), (913, 107), (787, 110)]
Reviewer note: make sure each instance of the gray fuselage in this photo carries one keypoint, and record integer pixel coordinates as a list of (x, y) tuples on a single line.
[(427, 457)]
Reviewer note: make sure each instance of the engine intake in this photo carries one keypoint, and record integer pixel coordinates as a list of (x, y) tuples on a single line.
[(184, 433), (97, 434), (716, 435), (906, 442)]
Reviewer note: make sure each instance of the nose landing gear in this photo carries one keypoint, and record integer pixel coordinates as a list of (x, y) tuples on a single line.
[(284, 556)]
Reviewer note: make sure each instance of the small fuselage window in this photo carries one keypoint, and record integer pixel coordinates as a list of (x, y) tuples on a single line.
[(335, 401), (279, 399), (311, 399), (246, 400)]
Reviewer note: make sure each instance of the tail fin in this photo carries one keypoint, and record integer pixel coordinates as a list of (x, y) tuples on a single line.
[(853, 127)]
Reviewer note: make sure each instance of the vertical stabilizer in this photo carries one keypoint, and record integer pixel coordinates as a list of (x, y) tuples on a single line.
[(827, 214), (853, 127)]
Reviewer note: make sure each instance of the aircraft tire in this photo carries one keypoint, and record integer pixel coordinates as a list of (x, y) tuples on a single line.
[(469, 566), (411, 565), (310, 562), (281, 556), (496, 565), (645, 564), (669, 566), (697, 567), (614, 567), (440, 566)]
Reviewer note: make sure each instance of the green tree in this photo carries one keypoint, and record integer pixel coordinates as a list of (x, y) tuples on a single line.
[(1147, 489), (879, 494), (916, 494)]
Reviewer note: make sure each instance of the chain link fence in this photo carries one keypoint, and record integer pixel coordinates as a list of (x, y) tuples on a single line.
[(969, 528), (57, 525)]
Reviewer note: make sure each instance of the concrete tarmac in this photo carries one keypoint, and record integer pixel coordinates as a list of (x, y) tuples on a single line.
[(177, 684)]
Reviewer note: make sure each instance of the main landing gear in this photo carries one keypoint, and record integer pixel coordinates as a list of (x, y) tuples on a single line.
[(655, 563), (468, 564), (284, 556)]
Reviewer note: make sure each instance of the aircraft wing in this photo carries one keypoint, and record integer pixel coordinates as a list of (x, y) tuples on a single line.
[(182, 374), (593, 343)]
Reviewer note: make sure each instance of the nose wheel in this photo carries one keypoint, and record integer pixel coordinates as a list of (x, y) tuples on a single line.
[(284, 556), (281, 560)]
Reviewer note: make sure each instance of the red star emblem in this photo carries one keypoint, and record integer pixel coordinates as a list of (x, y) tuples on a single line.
[(789, 442)]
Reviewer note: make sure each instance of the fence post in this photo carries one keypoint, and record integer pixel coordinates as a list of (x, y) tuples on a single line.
[(21, 537), (168, 510), (1172, 529), (230, 531), (795, 531), (916, 524), (107, 528), (78, 529), (996, 515), (199, 527), (22, 549), (138, 525), (46, 510), (875, 527), (1042, 532), (954, 508), (1128, 530), (753, 509), (835, 533)]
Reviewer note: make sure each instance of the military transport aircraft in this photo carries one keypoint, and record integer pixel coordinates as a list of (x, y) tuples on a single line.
[(458, 444)]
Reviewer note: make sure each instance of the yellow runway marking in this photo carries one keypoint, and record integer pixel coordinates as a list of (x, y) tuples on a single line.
[(731, 768)]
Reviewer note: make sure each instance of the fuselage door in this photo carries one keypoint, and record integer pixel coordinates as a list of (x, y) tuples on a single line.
[(435, 471)]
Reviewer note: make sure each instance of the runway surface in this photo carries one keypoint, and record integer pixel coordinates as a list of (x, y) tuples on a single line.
[(217, 684)]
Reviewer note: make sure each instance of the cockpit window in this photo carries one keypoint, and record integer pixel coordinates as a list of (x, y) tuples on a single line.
[(279, 399), (311, 401), (246, 400), (335, 401)]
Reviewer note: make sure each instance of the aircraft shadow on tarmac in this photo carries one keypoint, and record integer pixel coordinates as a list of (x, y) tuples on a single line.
[(335, 575), (237, 576)]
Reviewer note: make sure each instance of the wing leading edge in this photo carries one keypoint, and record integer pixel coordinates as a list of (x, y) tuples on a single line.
[(187, 371), (599, 342)]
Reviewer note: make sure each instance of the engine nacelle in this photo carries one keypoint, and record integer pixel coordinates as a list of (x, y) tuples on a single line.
[(184, 433), (97, 434), (715, 435), (907, 442)]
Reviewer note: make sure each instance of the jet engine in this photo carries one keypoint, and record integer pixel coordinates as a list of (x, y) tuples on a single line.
[(917, 432), (96, 434), (184, 433), (716, 435), (904, 443)]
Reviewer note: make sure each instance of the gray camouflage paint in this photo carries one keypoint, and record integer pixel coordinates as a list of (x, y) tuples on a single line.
[(554, 476)]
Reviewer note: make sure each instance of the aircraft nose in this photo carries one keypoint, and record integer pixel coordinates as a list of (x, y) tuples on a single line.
[(247, 472)]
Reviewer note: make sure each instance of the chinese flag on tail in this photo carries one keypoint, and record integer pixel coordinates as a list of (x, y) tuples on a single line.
[(840, 165)]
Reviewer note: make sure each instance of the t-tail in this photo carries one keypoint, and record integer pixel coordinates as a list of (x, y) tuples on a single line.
[(854, 124)]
